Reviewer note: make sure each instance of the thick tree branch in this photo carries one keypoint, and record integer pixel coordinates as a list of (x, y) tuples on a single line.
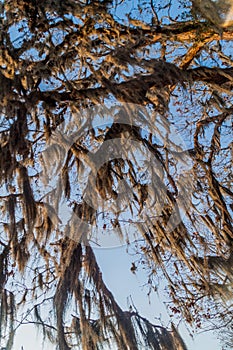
[(134, 90)]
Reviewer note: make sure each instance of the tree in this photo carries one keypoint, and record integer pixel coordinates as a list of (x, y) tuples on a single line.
[(62, 66)]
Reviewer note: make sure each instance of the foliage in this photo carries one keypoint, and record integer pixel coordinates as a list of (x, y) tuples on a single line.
[(58, 58)]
